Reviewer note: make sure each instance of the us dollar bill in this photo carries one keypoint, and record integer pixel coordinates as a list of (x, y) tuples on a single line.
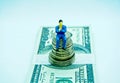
[(81, 71)]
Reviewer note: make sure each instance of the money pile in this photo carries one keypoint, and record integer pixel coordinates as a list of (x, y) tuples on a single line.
[(81, 71), (62, 57)]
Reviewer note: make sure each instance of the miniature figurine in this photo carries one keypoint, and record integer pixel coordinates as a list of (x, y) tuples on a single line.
[(62, 53), (60, 30)]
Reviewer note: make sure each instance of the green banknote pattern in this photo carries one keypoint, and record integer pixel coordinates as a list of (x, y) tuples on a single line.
[(84, 73)]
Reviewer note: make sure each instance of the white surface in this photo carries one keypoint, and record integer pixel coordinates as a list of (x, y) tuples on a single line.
[(79, 59), (20, 21)]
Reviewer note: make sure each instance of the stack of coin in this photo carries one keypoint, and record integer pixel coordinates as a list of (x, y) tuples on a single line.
[(62, 57)]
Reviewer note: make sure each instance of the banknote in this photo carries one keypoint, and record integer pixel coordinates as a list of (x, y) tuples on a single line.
[(81, 71)]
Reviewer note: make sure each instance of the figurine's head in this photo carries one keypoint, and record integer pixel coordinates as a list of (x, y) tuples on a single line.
[(60, 22)]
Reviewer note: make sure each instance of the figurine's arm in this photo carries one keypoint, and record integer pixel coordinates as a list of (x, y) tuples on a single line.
[(64, 29), (56, 29)]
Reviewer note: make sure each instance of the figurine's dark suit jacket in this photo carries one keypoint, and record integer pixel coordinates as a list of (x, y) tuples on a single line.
[(60, 35)]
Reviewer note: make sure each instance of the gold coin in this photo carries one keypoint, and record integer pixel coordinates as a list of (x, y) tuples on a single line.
[(61, 62)]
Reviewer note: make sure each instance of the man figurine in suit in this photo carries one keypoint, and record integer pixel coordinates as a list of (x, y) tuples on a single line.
[(60, 30)]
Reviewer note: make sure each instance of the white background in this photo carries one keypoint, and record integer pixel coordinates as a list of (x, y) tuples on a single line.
[(20, 21)]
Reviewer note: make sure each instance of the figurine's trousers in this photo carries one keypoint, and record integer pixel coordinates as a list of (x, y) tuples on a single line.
[(58, 37)]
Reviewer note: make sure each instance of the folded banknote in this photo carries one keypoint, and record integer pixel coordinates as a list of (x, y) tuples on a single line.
[(81, 71)]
